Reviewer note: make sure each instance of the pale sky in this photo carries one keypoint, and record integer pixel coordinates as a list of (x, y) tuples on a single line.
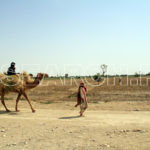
[(78, 35)]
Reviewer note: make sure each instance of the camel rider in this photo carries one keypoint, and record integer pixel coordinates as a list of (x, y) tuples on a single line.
[(11, 69)]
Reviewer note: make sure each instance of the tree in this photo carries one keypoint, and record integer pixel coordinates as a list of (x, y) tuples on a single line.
[(97, 77), (66, 75), (31, 75), (148, 74), (104, 69), (137, 74)]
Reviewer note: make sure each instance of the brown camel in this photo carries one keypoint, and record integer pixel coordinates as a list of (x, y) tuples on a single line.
[(18, 84)]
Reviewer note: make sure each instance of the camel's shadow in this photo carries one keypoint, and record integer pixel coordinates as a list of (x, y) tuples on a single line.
[(70, 117), (9, 113)]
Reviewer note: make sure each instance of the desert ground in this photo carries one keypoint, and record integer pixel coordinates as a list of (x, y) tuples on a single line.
[(118, 117)]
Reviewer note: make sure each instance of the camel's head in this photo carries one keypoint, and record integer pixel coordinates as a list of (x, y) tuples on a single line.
[(40, 75)]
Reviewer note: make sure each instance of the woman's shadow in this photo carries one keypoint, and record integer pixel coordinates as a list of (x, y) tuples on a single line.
[(71, 117)]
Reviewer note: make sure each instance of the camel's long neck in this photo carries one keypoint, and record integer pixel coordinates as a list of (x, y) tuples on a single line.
[(34, 84)]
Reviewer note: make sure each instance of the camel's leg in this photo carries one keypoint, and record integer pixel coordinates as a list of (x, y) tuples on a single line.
[(25, 95), (3, 102), (17, 100)]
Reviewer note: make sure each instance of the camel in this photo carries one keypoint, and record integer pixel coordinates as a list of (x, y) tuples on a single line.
[(18, 84)]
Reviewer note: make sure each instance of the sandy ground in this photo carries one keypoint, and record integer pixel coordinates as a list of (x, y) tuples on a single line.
[(118, 118), (63, 129)]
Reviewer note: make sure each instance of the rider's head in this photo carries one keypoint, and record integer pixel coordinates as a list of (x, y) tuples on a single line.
[(13, 64)]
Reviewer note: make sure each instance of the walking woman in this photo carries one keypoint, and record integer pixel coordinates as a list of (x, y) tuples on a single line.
[(81, 99)]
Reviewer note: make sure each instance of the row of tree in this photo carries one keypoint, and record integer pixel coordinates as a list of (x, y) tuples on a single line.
[(97, 77)]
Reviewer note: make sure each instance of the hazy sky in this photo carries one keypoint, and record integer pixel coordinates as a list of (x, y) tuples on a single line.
[(77, 34)]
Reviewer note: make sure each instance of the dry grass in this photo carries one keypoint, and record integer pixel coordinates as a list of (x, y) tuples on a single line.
[(103, 97)]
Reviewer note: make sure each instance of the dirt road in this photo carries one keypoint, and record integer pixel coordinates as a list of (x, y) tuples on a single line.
[(64, 130)]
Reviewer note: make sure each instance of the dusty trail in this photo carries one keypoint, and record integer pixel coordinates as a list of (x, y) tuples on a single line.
[(63, 129), (100, 117)]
